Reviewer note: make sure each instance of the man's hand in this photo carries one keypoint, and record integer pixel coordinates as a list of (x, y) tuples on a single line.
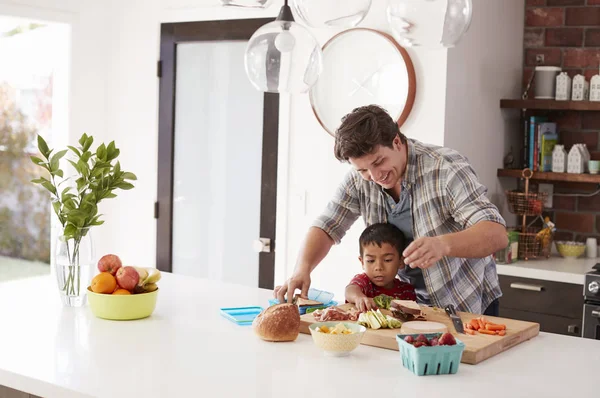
[(297, 281), (364, 304), (424, 252)]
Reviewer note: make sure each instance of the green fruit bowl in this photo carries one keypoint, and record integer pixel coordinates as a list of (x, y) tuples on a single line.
[(122, 307), (570, 249)]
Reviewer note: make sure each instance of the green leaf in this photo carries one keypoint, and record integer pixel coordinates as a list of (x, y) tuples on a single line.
[(110, 195), (64, 193), (129, 176), (117, 168), (125, 185), (59, 173), (85, 157), (55, 161), (39, 180), (112, 151), (83, 139), (75, 165), (88, 143), (48, 185), (43, 147), (70, 204), (72, 148), (101, 152), (96, 220), (37, 160), (56, 205), (70, 231)]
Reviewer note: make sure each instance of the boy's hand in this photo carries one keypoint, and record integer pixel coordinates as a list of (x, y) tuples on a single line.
[(364, 304)]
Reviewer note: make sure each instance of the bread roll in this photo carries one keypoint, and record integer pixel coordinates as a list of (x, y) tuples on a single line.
[(279, 322)]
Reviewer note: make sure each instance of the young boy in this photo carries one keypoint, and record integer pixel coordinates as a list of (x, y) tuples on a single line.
[(381, 246)]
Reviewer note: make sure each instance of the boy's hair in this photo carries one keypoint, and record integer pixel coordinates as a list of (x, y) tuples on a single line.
[(363, 130), (381, 233)]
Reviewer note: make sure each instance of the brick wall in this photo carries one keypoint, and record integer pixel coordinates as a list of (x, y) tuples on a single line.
[(567, 34)]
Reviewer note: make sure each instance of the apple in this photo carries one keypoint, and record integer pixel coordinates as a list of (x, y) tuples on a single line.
[(110, 263), (128, 277)]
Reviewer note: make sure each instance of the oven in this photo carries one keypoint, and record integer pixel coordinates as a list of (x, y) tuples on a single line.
[(591, 306)]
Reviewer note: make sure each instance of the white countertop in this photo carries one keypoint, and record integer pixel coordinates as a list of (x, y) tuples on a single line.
[(187, 349), (556, 268)]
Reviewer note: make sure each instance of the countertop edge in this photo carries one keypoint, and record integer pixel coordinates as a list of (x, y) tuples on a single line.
[(36, 387), (547, 275)]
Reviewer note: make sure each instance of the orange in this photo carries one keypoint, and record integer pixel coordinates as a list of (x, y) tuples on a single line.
[(104, 282), (121, 291)]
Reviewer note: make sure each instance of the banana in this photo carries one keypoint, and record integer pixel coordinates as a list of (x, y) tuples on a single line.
[(150, 287), (143, 275), (153, 276)]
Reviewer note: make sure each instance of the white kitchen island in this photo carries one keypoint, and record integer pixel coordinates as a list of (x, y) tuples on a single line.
[(186, 349)]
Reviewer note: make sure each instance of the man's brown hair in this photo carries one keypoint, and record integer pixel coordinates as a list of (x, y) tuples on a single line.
[(362, 130)]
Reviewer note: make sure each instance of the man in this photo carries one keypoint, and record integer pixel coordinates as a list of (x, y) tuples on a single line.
[(431, 194)]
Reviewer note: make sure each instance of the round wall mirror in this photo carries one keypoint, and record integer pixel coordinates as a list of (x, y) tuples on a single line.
[(363, 66)]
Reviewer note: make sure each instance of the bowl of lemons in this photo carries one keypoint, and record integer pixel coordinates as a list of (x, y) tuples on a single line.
[(337, 338)]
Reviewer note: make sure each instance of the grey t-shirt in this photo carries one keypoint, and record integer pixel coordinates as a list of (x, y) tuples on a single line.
[(400, 215)]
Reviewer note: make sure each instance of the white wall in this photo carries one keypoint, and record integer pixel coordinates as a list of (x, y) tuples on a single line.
[(115, 96), (483, 68)]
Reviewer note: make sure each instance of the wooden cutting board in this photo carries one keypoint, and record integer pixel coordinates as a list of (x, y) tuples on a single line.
[(477, 348)]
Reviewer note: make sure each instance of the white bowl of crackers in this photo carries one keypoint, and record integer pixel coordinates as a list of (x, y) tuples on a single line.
[(337, 338)]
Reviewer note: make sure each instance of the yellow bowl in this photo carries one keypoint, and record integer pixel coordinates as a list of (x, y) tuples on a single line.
[(122, 307), (337, 344), (570, 249)]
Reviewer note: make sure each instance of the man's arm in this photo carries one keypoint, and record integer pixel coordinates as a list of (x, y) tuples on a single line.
[(478, 241), (327, 230), (316, 246), (484, 228)]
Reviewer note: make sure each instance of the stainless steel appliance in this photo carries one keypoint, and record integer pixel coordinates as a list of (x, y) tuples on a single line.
[(591, 306)]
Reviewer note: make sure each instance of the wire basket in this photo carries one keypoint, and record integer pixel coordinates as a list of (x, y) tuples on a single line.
[(526, 204), (533, 246)]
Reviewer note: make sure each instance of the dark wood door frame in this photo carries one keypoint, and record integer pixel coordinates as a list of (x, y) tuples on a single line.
[(172, 34)]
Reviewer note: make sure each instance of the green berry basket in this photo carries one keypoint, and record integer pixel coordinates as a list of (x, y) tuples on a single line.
[(430, 360)]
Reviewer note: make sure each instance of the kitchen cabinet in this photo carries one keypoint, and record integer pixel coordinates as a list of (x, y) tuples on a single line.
[(556, 306)]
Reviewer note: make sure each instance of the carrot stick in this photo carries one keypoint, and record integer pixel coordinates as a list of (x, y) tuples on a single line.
[(501, 332), (474, 324), (487, 331), (469, 331), (481, 325), (495, 327)]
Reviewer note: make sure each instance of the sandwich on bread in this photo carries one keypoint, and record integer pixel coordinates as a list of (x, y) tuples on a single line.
[(406, 310), (302, 302)]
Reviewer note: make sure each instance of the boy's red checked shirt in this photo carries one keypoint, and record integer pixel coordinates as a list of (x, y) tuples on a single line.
[(401, 290)]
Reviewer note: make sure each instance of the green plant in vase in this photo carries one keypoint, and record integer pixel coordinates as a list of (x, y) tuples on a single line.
[(75, 201)]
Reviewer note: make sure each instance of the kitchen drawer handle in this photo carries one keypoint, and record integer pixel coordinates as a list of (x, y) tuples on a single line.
[(526, 286), (596, 313)]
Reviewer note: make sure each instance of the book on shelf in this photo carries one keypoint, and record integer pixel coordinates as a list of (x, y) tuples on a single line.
[(539, 139)]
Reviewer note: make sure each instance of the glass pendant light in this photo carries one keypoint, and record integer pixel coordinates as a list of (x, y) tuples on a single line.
[(283, 56), (429, 23), (247, 3), (331, 13)]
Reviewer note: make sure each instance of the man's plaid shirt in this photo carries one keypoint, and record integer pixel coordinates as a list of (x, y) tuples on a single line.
[(446, 197)]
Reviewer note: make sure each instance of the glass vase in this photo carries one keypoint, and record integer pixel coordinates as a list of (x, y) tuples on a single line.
[(73, 266)]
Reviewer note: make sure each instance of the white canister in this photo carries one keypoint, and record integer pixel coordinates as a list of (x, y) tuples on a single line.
[(591, 248), (559, 159)]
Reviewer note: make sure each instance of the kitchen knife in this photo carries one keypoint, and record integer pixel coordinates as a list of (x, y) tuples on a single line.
[(458, 324)]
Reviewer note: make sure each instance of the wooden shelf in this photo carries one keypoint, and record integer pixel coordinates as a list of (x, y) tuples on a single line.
[(546, 104), (548, 176)]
